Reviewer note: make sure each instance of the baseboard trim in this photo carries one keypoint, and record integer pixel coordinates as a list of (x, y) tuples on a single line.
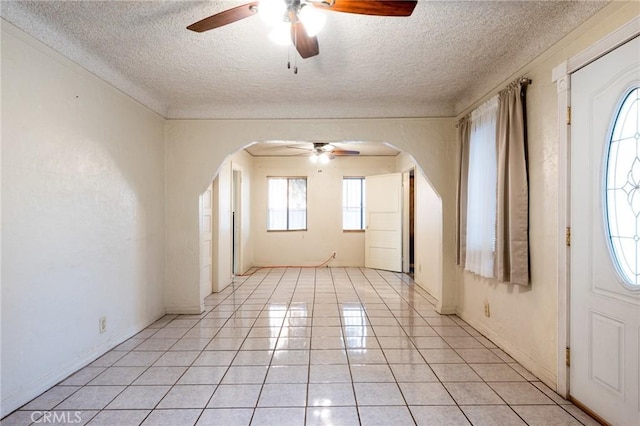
[(31, 390), (184, 309), (546, 376), (446, 310)]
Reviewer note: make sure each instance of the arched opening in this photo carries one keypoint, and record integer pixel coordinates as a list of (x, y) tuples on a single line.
[(196, 151), (235, 232)]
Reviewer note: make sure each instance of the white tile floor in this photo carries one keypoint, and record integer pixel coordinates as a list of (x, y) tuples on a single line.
[(329, 346)]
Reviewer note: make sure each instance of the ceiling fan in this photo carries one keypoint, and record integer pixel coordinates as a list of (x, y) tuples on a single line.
[(298, 21), (323, 152)]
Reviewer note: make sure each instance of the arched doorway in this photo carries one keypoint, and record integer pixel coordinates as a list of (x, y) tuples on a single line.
[(195, 147)]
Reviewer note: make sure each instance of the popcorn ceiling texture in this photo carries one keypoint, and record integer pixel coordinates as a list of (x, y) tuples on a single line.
[(434, 63)]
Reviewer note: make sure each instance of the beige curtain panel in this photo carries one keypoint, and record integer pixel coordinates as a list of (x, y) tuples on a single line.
[(512, 220), (512, 211)]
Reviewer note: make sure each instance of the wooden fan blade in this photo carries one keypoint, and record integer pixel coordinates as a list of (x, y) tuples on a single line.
[(371, 7), (224, 18), (344, 152), (300, 148), (305, 45)]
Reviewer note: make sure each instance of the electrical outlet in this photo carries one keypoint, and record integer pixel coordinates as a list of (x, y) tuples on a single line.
[(102, 324), (487, 310)]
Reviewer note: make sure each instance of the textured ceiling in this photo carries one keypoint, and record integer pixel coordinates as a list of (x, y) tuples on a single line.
[(434, 63)]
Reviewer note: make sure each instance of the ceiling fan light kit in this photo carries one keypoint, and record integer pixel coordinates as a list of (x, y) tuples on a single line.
[(312, 19), (297, 22), (272, 11), (281, 34), (322, 158)]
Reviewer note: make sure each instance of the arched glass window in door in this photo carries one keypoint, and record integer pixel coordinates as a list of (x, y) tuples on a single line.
[(622, 194)]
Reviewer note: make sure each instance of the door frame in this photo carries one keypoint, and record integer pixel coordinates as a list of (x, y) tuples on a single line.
[(407, 224), (236, 221), (561, 75)]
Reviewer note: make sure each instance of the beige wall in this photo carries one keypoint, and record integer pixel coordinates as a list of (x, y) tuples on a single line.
[(196, 148), (82, 217), (523, 319)]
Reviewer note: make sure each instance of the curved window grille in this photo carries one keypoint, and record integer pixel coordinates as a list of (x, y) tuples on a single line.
[(622, 195)]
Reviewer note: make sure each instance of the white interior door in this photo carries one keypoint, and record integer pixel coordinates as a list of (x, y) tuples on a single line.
[(605, 296), (383, 233), (206, 234)]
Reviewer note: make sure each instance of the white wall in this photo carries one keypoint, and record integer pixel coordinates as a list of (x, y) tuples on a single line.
[(82, 221), (195, 148), (523, 319), (428, 223), (324, 232)]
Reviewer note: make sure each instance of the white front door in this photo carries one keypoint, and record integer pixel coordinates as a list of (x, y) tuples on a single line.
[(605, 220), (383, 233)]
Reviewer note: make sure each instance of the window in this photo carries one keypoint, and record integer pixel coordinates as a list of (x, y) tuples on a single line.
[(353, 204), (287, 204), (482, 188), (622, 190)]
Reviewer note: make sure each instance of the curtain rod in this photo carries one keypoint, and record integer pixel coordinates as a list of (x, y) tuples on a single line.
[(523, 80)]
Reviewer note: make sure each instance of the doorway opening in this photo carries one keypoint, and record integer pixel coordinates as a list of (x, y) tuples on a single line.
[(408, 222), (242, 242)]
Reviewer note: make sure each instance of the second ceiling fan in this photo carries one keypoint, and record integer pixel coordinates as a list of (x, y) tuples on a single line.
[(299, 19)]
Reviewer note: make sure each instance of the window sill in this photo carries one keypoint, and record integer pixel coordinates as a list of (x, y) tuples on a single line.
[(348, 231)]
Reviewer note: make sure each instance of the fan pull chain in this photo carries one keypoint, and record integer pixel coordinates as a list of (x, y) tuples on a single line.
[(295, 56), (295, 62)]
